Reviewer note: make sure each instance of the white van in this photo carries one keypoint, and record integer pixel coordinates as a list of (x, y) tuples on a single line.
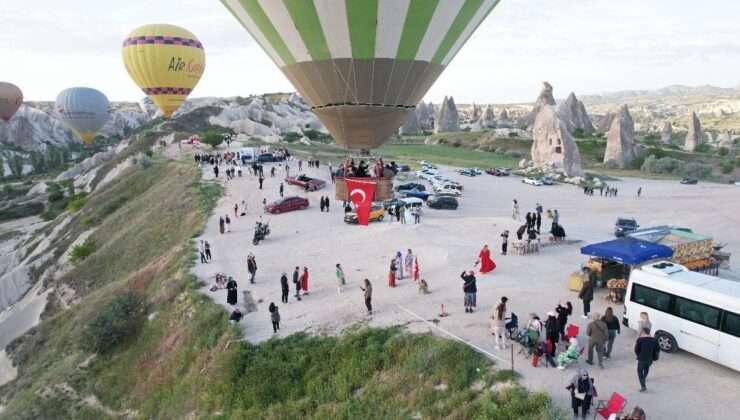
[(692, 311)]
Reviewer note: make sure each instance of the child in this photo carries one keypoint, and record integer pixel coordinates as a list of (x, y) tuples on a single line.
[(274, 317), (423, 287)]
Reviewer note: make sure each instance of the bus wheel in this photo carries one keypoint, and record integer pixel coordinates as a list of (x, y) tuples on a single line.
[(666, 342)]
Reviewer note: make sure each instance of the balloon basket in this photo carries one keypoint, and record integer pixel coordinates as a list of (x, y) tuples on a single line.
[(383, 188)]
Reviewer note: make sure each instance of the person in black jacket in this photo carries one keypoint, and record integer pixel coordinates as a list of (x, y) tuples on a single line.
[(231, 292), (285, 287), (612, 324), (469, 290), (520, 231), (587, 292), (647, 351), (563, 313), (297, 283), (552, 332), (251, 267)]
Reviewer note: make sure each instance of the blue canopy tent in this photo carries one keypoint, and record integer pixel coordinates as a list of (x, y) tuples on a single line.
[(628, 250)]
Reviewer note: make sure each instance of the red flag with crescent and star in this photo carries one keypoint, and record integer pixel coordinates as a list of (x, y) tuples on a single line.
[(361, 193)]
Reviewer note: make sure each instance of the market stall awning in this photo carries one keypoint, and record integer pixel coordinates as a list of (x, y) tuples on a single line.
[(628, 250)]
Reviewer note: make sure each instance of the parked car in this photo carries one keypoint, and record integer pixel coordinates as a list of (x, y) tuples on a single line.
[(376, 213), (532, 181), (411, 186), (449, 189), (690, 180), (494, 172), (392, 202), (504, 171), (269, 157), (546, 180), (442, 202), (404, 168), (415, 193), (624, 225), (476, 170), (287, 204), (304, 181), (466, 172), (424, 163), (424, 173)]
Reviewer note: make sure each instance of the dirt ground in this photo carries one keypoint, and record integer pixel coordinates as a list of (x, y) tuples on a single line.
[(680, 385)]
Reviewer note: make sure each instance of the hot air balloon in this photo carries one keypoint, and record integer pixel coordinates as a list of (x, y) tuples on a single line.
[(361, 65), (11, 99), (84, 110), (166, 62)]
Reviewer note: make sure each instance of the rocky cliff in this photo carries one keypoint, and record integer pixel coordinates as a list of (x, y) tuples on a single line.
[(666, 132), (545, 98), (447, 119), (553, 144), (620, 142), (694, 136)]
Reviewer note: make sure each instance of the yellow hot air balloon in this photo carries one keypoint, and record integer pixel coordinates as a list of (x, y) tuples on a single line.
[(166, 62)]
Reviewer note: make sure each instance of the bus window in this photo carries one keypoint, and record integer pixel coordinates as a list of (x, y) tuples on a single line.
[(696, 312), (731, 324), (650, 297)]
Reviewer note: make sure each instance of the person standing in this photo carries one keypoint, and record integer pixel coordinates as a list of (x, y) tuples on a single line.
[(469, 290), (340, 278), (528, 220), (409, 263), (221, 225), (504, 242), (399, 266), (563, 313), (215, 171), (417, 215), (251, 267), (326, 203), (202, 251), (538, 220), (304, 280), (587, 292), (208, 252), (555, 218), (297, 283), (231, 291), (236, 210), (284, 288), (261, 180), (281, 189), (402, 214), (612, 324), (552, 332), (515, 210), (486, 263), (368, 289), (228, 223), (498, 323), (647, 351), (274, 317), (581, 392), (639, 192), (597, 333), (392, 274), (321, 203), (300, 165)]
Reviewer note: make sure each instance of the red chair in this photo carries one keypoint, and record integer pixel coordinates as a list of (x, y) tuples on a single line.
[(615, 405), (572, 331)]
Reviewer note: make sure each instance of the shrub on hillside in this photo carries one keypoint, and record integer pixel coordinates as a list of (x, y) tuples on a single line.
[(76, 202), (697, 170), (513, 134), (514, 153), (578, 133), (80, 252), (212, 138), (500, 150), (115, 323), (649, 164), (723, 151), (292, 136), (668, 165), (727, 166), (611, 164), (703, 148)]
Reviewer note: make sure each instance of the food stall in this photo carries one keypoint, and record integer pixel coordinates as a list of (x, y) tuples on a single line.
[(612, 261), (692, 250)]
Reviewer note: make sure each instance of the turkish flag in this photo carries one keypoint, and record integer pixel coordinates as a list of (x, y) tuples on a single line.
[(361, 193)]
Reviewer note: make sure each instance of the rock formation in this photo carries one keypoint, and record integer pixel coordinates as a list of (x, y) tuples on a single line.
[(553, 144), (411, 125), (620, 142), (474, 113), (488, 119), (576, 113), (606, 123), (476, 126), (503, 118), (693, 137), (447, 120), (545, 98), (425, 116), (725, 140), (666, 133)]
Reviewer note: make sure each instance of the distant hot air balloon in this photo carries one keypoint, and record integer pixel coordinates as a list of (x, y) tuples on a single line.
[(84, 110), (166, 61), (361, 65), (11, 99)]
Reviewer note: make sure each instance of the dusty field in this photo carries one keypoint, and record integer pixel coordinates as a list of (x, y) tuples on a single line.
[(447, 242)]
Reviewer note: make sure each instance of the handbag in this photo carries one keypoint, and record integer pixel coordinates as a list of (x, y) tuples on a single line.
[(580, 395)]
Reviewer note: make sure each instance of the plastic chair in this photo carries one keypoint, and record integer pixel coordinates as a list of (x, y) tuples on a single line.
[(615, 405), (572, 331)]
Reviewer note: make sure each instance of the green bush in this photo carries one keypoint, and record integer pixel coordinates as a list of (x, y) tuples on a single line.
[(723, 151), (668, 165), (637, 162), (117, 321), (703, 148), (500, 150), (697, 170), (212, 138), (145, 162), (87, 220), (82, 251), (76, 202), (611, 164), (148, 153), (21, 211), (649, 164), (579, 133), (311, 134), (291, 136), (113, 205), (727, 166), (513, 134), (514, 153)]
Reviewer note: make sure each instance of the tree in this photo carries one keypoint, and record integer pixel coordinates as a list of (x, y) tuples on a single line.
[(212, 138), (16, 165)]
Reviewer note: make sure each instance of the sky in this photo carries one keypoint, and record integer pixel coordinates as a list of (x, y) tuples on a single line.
[(585, 46)]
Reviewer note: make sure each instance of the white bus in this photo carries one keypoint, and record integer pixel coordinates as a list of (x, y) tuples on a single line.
[(687, 310)]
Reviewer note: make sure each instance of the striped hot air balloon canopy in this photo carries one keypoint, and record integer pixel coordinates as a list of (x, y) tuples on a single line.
[(362, 65)]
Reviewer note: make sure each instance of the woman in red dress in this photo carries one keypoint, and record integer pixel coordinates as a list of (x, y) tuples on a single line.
[(304, 281), (486, 263), (392, 274)]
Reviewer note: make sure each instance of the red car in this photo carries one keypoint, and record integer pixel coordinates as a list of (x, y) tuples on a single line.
[(304, 182), (287, 204)]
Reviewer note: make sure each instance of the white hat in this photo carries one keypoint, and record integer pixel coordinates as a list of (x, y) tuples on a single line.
[(551, 313)]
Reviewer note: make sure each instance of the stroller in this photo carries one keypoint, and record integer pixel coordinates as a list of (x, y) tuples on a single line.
[(512, 327), (260, 232)]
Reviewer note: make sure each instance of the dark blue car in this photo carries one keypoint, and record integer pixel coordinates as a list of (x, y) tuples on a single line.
[(416, 193)]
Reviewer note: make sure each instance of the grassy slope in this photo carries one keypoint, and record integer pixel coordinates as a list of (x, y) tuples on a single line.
[(178, 363)]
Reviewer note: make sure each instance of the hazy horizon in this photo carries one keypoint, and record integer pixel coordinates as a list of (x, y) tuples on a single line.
[(585, 46)]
